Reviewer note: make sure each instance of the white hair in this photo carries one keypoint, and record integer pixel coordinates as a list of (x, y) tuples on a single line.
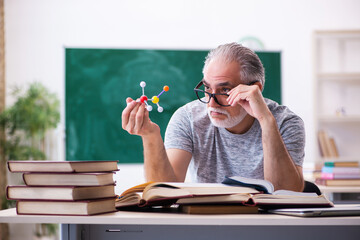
[(251, 68)]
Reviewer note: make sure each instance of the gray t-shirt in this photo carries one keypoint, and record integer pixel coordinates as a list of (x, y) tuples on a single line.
[(217, 153)]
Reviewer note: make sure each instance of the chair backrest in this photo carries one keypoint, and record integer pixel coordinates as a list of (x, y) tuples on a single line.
[(311, 187)]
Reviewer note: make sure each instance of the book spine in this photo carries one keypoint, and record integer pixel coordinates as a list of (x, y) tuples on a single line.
[(7, 193), (342, 164), (342, 170), (8, 165), (17, 207), (324, 145), (329, 164), (321, 181), (24, 179), (52, 214), (326, 169), (347, 165), (346, 176), (333, 148), (325, 175), (338, 182), (327, 144), (346, 170)]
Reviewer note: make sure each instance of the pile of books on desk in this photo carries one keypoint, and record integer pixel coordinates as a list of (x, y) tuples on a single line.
[(235, 195), (340, 174), (64, 187)]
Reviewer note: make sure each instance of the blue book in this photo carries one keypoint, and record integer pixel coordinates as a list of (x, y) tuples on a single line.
[(326, 169)]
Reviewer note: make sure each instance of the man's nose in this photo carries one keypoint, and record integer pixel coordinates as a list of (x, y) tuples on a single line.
[(212, 102)]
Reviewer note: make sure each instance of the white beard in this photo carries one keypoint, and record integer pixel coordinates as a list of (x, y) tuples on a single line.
[(229, 122)]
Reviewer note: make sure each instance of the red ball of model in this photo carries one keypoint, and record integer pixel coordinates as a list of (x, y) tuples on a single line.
[(143, 99)]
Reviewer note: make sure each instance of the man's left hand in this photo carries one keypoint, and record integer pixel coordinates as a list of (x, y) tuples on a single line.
[(251, 99)]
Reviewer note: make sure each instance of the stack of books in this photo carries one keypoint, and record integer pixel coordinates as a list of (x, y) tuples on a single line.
[(235, 195), (64, 187), (340, 174)]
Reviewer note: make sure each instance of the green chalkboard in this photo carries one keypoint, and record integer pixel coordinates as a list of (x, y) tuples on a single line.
[(272, 65), (97, 82)]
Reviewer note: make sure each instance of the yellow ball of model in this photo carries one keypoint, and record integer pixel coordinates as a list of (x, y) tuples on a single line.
[(155, 99)]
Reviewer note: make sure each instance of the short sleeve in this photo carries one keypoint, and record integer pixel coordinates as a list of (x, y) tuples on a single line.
[(292, 131), (178, 133)]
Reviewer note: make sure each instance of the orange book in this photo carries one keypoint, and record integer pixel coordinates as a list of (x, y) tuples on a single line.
[(347, 164), (338, 182)]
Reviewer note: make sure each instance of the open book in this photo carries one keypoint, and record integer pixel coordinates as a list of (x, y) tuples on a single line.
[(268, 198), (233, 190), (167, 193), (286, 199)]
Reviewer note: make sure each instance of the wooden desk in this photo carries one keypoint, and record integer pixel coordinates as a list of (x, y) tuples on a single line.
[(136, 225)]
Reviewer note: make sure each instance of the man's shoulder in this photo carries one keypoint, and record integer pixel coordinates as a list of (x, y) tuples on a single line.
[(281, 112), (277, 108)]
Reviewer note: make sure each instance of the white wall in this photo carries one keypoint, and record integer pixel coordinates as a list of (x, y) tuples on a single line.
[(37, 32)]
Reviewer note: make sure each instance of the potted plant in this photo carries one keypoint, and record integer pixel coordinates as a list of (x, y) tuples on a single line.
[(25, 124)]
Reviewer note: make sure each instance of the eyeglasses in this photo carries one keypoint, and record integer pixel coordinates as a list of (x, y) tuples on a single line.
[(220, 98), (205, 97)]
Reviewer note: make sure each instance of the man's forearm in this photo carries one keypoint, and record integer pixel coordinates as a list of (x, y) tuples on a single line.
[(156, 163), (279, 168)]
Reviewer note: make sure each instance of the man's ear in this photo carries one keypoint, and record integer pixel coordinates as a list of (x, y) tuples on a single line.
[(259, 85)]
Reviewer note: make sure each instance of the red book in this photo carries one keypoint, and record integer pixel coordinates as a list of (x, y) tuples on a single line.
[(66, 208), (68, 179), (62, 166), (68, 193)]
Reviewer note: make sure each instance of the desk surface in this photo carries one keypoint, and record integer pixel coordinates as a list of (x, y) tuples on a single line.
[(140, 218)]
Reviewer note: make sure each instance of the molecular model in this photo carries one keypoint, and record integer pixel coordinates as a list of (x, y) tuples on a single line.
[(154, 99)]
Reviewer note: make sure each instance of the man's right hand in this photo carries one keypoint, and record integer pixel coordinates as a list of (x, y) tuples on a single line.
[(158, 164), (136, 121)]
